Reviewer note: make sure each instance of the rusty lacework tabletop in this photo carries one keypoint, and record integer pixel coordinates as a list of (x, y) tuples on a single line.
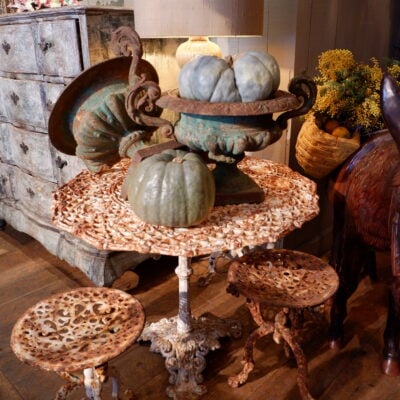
[(91, 208)]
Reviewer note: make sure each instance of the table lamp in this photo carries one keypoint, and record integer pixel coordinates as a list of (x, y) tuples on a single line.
[(198, 20)]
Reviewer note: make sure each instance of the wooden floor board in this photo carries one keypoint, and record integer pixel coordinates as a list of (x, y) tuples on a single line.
[(29, 273), (7, 390)]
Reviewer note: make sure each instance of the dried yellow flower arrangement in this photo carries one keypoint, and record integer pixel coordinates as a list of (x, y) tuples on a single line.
[(347, 108)]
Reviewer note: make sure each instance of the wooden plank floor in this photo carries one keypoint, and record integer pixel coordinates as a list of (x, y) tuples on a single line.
[(29, 273)]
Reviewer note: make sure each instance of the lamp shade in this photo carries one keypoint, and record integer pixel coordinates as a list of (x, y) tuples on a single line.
[(183, 18)]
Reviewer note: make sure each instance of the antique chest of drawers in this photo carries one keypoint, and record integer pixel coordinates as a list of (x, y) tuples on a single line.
[(40, 53)]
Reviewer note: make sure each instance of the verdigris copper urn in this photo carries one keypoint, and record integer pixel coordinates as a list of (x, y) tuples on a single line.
[(223, 132)]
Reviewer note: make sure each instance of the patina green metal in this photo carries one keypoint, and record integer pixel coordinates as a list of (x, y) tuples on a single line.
[(108, 112), (102, 124), (226, 137), (225, 131)]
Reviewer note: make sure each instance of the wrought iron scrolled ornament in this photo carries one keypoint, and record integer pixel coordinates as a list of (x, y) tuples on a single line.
[(143, 90), (126, 42), (108, 112)]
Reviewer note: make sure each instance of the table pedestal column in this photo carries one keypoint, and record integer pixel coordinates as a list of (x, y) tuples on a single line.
[(184, 341)]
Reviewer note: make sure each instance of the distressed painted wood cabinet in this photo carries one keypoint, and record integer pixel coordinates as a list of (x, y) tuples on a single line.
[(40, 53)]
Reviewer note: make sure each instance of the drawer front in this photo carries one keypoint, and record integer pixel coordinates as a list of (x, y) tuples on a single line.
[(3, 115), (28, 103), (59, 52), (31, 152), (18, 49), (50, 93), (33, 194), (65, 166), (22, 102), (5, 149), (6, 179)]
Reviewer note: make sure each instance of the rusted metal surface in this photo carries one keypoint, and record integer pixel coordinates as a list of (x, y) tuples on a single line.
[(90, 207), (78, 329), (225, 131), (281, 101), (109, 110), (286, 279), (230, 129), (143, 91), (113, 73)]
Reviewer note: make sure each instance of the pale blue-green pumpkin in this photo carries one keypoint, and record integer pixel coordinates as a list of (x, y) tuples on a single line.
[(173, 188), (247, 77)]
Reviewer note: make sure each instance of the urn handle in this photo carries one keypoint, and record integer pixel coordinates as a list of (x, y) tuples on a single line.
[(6, 47), (305, 90), (143, 90)]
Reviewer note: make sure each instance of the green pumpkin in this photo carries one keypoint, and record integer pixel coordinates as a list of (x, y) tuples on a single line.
[(172, 188), (250, 76)]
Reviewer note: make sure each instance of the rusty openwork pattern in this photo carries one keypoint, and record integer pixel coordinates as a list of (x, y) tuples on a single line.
[(78, 329), (91, 208), (284, 278)]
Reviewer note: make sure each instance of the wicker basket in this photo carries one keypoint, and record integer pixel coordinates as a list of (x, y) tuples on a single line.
[(319, 153)]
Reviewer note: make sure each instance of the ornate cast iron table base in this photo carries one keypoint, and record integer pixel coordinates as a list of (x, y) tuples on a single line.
[(90, 207), (185, 352)]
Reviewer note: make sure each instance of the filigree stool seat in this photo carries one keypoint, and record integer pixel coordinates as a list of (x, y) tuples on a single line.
[(79, 330), (289, 280)]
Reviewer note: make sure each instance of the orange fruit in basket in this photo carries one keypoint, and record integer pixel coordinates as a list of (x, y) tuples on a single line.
[(330, 125), (341, 132)]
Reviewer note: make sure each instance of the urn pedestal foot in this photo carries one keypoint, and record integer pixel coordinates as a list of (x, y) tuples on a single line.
[(234, 186)]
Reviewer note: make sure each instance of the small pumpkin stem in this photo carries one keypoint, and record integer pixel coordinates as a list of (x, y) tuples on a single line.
[(178, 160), (229, 60)]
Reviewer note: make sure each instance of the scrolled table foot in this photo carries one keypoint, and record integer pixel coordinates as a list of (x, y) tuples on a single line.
[(204, 281), (241, 378), (185, 352)]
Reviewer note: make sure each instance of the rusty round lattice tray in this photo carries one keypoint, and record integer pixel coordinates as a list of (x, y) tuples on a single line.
[(280, 101), (78, 329), (284, 278), (91, 208)]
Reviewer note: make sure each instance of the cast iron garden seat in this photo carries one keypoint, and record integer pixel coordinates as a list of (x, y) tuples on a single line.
[(79, 330), (290, 281)]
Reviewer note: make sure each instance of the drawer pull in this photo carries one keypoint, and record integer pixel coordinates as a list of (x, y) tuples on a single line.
[(24, 147), (44, 46), (30, 192), (6, 46), (60, 163), (14, 98), (49, 105)]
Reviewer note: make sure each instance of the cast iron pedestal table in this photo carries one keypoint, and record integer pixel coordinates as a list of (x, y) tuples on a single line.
[(91, 208)]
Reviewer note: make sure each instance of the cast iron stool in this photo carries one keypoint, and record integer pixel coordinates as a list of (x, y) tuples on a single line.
[(289, 280), (78, 330)]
